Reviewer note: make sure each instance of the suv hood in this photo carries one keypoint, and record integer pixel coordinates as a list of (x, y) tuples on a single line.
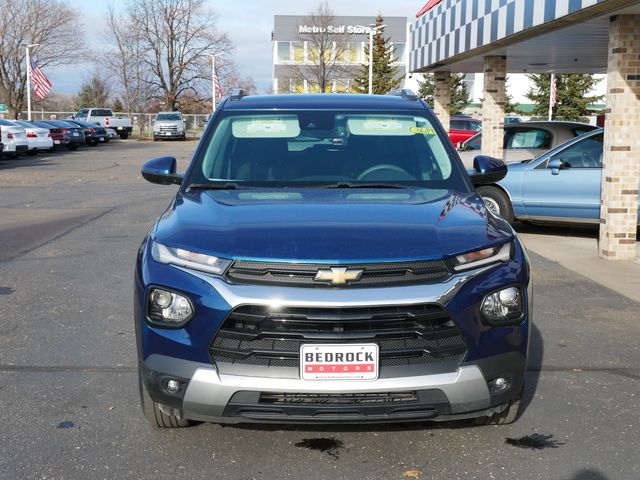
[(330, 225)]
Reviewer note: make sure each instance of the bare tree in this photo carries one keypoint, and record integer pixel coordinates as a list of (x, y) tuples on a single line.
[(176, 37), (131, 75), (53, 25), (325, 50)]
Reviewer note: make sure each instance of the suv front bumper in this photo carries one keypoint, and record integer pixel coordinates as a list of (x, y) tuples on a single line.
[(213, 397)]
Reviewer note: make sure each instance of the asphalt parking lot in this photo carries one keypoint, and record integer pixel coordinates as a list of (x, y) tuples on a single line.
[(70, 225)]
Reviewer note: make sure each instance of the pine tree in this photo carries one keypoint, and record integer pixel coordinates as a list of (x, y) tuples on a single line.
[(385, 75), (572, 99), (458, 91), (93, 93)]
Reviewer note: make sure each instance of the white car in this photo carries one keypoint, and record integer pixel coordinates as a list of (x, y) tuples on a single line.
[(38, 138), (14, 138)]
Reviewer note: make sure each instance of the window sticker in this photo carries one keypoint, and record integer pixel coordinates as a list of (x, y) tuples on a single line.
[(422, 130), (266, 127), (379, 126)]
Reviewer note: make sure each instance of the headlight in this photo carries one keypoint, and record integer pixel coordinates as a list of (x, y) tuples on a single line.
[(185, 258), (502, 307), (168, 308), (475, 259)]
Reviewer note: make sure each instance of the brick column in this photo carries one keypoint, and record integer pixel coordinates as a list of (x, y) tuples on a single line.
[(442, 97), (495, 71), (621, 157)]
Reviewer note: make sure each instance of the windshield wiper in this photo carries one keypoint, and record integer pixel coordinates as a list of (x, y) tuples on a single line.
[(365, 185), (216, 186)]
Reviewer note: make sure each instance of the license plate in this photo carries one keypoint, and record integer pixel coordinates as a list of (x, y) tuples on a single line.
[(76, 134), (57, 142), (101, 139), (346, 361), (167, 133)]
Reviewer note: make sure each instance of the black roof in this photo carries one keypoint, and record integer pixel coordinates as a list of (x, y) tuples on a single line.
[(326, 101)]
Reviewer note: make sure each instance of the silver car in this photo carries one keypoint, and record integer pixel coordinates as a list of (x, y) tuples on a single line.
[(526, 140)]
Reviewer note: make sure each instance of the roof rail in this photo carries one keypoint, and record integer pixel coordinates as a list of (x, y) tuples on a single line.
[(238, 93), (405, 93)]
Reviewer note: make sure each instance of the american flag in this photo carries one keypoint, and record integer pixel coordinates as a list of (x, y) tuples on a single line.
[(41, 84), (216, 82), (553, 96)]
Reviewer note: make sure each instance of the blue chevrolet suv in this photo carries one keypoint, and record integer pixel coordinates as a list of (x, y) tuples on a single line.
[(327, 259)]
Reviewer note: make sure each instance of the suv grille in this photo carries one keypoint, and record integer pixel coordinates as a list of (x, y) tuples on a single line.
[(303, 274), (406, 335), (337, 398)]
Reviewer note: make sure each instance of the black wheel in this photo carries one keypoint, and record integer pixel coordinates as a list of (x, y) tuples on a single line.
[(72, 146), (155, 139), (152, 412), (32, 152), (93, 143), (184, 137), (507, 416), (497, 201), (124, 135), (106, 139)]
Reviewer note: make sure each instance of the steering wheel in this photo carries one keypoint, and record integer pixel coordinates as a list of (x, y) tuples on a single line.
[(404, 175)]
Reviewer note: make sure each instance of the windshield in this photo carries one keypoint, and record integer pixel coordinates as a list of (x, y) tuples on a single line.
[(325, 148), (168, 116)]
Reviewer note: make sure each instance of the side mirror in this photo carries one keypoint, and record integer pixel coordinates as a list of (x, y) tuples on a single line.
[(487, 170), (555, 164), (162, 170)]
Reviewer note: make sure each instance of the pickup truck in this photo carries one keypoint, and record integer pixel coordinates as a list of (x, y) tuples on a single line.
[(105, 118)]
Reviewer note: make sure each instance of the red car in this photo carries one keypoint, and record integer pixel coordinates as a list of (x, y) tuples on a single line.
[(463, 128)]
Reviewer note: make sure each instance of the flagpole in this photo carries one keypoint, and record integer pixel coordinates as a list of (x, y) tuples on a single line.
[(28, 58), (213, 81), (28, 85), (551, 88)]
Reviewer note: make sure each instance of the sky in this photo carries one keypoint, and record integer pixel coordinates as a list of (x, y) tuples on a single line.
[(248, 23)]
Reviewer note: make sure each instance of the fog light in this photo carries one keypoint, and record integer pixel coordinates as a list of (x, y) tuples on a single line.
[(502, 307), (172, 386), (498, 385)]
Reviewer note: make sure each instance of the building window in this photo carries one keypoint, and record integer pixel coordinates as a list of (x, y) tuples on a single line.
[(298, 51), (398, 52), (355, 52), (284, 51)]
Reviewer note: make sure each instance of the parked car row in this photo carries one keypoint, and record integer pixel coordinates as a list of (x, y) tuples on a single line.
[(31, 137)]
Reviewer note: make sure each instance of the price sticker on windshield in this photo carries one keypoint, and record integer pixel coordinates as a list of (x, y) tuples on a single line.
[(422, 130)]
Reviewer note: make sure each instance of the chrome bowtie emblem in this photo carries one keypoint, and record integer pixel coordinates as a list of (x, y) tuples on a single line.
[(338, 275)]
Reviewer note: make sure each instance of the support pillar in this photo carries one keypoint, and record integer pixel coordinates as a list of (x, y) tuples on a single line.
[(495, 72), (442, 97), (621, 155)]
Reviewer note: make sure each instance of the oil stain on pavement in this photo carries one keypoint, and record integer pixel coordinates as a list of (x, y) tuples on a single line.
[(534, 442), (330, 446)]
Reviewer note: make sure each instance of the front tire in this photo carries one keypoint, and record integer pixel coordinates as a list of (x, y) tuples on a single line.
[(498, 202), (506, 417), (124, 135), (72, 146), (152, 412)]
